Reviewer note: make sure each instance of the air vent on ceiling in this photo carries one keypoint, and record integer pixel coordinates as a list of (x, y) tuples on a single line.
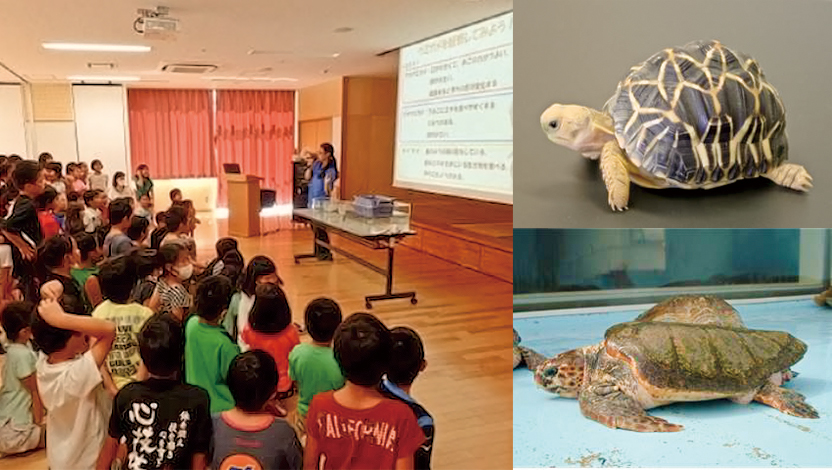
[(189, 68), (101, 65)]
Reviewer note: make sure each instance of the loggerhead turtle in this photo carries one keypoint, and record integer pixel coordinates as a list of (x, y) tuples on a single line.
[(564, 373), (696, 116), (694, 309), (643, 365)]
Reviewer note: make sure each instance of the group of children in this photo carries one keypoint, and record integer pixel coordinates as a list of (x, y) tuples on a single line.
[(125, 352)]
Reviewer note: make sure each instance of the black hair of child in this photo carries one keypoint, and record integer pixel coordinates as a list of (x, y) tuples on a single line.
[(117, 278), (87, 244), (26, 172), (362, 347), (252, 380), (258, 266), (224, 245), (407, 357), (15, 317), (322, 318), (138, 225), (46, 197), (270, 312), (90, 195), (120, 209), (160, 343), (48, 338), (213, 295), (176, 217), (52, 251)]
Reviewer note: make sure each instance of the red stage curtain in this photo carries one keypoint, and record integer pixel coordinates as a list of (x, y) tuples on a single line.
[(170, 131), (255, 128)]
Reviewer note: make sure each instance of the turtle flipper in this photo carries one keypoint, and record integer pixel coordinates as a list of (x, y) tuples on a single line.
[(605, 403), (616, 176), (531, 358), (820, 299), (786, 401), (792, 176)]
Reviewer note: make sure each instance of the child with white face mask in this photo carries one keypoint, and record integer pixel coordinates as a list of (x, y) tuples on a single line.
[(120, 188), (171, 297)]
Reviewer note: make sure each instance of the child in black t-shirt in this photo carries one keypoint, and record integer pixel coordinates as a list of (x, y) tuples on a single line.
[(22, 228), (166, 423)]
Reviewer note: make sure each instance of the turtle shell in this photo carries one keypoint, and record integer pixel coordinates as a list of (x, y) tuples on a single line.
[(699, 116), (694, 309), (702, 358)]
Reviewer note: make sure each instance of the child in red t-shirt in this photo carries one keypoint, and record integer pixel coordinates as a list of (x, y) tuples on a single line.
[(270, 328), (48, 204), (356, 427)]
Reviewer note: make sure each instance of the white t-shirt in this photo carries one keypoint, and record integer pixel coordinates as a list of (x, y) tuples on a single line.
[(77, 411), (92, 219), (128, 191), (246, 302)]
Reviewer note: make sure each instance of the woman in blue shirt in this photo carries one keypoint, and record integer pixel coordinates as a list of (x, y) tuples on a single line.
[(324, 173)]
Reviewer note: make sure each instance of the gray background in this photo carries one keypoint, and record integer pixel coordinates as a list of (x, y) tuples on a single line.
[(576, 51)]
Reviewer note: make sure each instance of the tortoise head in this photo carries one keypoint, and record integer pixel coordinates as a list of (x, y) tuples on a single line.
[(563, 374), (577, 127)]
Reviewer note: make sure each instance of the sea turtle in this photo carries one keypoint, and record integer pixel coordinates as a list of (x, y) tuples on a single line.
[(643, 365), (563, 374), (696, 309), (696, 116)]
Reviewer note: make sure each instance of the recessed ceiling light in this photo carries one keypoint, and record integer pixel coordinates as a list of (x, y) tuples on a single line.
[(343, 29), (336, 55), (101, 78), (67, 46)]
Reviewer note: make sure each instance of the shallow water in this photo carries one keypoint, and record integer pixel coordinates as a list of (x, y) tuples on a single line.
[(550, 431)]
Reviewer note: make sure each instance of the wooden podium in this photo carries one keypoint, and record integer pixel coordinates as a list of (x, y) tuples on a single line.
[(243, 205)]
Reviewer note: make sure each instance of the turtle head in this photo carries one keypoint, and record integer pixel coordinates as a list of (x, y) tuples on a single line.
[(563, 374), (577, 127)]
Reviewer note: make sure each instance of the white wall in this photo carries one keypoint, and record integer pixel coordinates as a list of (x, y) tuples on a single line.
[(101, 125), (12, 121), (57, 138)]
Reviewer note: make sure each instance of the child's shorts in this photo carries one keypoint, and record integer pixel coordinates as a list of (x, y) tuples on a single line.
[(16, 439)]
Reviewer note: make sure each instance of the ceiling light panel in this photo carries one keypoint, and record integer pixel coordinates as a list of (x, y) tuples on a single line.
[(77, 47)]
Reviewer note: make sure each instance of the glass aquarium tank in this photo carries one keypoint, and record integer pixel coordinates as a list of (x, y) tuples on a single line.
[(598, 266)]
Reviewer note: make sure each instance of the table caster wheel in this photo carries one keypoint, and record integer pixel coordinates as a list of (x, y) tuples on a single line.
[(413, 300), (368, 305)]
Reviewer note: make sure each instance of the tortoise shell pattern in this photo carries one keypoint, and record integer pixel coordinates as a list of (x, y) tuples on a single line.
[(700, 116)]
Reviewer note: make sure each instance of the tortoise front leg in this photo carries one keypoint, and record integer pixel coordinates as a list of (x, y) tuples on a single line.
[(605, 403), (616, 177)]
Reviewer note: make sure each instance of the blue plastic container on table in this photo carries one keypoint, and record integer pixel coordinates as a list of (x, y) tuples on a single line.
[(373, 206)]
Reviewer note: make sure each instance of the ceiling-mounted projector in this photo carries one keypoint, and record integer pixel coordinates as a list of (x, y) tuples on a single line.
[(154, 24)]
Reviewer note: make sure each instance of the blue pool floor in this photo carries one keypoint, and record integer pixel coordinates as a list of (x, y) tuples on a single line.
[(550, 431)]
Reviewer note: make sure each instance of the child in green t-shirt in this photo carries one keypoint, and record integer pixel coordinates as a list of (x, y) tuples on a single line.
[(209, 349), (86, 273), (313, 365), (21, 412)]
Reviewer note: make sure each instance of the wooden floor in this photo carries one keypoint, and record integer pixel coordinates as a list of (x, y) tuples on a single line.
[(462, 316)]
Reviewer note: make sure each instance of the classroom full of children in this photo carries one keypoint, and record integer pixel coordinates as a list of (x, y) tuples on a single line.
[(121, 350)]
